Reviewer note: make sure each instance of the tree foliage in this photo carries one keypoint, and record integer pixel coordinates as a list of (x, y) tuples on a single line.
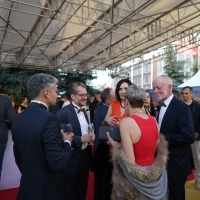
[(173, 67), (13, 80), (195, 65)]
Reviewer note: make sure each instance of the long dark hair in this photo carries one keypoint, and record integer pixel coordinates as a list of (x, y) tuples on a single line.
[(118, 86)]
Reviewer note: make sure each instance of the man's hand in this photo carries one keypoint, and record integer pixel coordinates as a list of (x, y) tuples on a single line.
[(68, 137), (86, 138)]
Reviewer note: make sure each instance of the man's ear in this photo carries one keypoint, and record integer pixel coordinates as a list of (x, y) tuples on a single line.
[(46, 93), (72, 96)]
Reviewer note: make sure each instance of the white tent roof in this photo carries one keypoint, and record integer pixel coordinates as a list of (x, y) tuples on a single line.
[(90, 34), (194, 81)]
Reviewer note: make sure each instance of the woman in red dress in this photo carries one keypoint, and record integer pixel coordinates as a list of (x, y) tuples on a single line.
[(139, 163)]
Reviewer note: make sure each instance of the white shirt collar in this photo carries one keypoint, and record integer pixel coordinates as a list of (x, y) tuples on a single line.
[(167, 101), (76, 106), (40, 102)]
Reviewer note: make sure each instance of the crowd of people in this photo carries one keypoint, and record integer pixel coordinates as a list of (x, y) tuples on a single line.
[(159, 145)]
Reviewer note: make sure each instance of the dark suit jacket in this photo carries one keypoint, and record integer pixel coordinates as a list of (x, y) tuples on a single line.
[(92, 108), (67, 114), (60, 103), (40, 154), (178, 129), (99, 116), (7, 114), (196, 116)]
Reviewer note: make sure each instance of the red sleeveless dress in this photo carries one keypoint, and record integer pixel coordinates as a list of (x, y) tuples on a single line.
[(144, 149)]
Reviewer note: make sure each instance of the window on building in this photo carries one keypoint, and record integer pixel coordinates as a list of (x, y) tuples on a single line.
[(147, 68), (138, 81), (159, 68), (146, 79)]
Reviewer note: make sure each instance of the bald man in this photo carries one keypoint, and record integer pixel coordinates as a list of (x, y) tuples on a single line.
[(176, 124)]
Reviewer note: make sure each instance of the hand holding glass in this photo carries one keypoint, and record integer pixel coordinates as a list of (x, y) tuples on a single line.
[(67, 128)]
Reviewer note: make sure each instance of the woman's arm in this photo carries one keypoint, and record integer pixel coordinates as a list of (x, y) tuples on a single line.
[(19, 110), (126, 139)]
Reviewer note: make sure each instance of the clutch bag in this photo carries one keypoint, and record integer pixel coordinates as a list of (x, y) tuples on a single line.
[(112, 130)]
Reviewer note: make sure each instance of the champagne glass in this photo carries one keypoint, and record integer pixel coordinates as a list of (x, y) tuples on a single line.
[(91, 131), (67, 128)]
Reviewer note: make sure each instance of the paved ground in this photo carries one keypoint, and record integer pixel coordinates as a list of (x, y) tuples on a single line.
[(191, 192)]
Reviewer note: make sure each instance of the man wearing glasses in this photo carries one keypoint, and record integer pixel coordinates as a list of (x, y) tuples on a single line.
[(81, 159)]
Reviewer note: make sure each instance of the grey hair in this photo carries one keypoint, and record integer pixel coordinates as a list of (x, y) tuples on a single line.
[(38, 83), (167, 79), (136, 96), (73, 87), (105, 94)]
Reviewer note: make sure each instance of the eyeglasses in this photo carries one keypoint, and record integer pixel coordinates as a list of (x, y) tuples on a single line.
[(82, 95)]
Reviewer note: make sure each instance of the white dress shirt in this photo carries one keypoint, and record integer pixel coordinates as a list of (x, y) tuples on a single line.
[(83, 123), (163, 109)]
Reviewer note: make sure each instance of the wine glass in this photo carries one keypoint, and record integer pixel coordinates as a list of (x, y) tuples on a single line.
[(67, 128), (91, 131)]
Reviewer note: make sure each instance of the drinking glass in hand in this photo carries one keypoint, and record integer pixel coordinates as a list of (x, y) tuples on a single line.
[(67, 128), (90, 131)]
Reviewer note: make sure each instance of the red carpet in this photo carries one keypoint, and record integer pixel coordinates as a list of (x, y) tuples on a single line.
[(11, 194), (191, 176)]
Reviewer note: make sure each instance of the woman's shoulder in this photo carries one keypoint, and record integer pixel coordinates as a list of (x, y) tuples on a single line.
[(126, 121), (115, 102)]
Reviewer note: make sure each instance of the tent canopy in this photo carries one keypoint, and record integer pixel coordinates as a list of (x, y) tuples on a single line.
[(83, 35), (193, 81)]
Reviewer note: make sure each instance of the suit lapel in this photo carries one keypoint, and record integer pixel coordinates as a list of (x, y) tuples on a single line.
[(75, 117), (167, 113)]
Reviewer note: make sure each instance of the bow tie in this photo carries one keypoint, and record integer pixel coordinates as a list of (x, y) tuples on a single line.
[(80, 109), (163, 104)]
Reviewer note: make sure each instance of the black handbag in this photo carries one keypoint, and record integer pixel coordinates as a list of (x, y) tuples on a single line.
[(112, 130)]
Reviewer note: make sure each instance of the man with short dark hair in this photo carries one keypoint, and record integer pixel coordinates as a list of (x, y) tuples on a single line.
[(41, 150), (176, 124), (81, 159), (195, 110), (103, 165), (7, 114)]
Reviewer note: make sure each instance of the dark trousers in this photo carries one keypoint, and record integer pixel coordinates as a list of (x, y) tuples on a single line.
[(176, 187), (102, 173), (78, 182), (2, 151)]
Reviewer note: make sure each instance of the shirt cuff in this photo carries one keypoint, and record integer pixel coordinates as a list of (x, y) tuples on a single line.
[(67, 142)]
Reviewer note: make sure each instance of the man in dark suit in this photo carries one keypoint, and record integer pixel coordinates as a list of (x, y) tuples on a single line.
[(40, 152), (195, 109), (103, 165), (77, 168), (176, 124), (7, 115)]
